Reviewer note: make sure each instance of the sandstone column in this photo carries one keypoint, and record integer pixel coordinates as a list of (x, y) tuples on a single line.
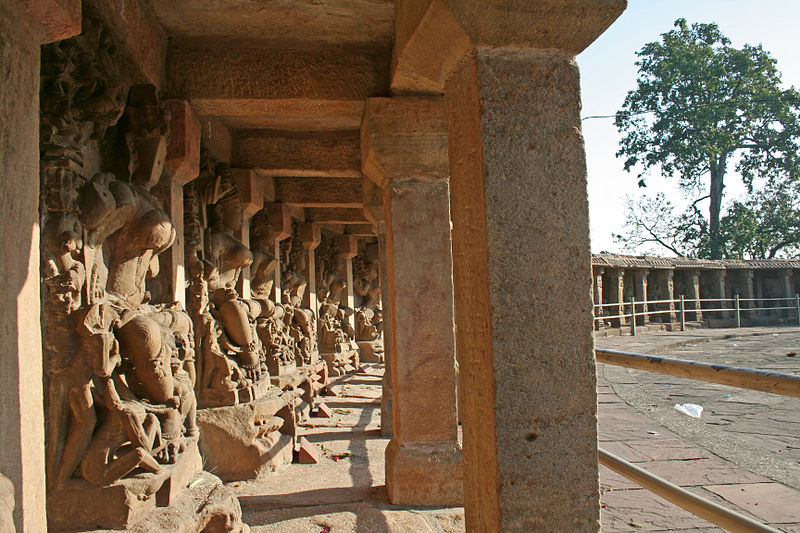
[(786, 286), (597, 296), (404, 150), (747, 292), (693, 284), (522, 272), (252, 198), (310, 237), (640, 292), (719, 292), (181, 166), (387, 425), (669, 294), (348, 249), (618, 296), (24, 26)]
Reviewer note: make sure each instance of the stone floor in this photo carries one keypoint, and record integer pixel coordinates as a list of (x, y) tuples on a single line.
[(743, 453)]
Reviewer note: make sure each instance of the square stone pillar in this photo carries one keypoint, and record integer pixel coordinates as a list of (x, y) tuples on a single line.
[(597, 296), (348, 249), (248, 186), (788, 292), (522, 271), (669, 294), (640, 293), (387, 426), (404, 150), (310, 236), (24, 27), (748, 292), (693, 285), (280, 220), (617, 295), (719, 292)]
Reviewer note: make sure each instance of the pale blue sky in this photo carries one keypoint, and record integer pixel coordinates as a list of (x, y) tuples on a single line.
[(608, 73)]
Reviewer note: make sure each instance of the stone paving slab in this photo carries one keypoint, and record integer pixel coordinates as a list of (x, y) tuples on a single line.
[(345, 493)]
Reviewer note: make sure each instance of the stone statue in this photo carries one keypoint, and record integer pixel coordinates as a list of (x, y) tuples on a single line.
[(232, 358)]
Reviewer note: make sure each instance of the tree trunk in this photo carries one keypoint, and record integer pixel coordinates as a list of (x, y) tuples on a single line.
[(715, 193)]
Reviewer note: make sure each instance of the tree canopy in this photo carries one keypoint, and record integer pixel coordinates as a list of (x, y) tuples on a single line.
[(701, 105)]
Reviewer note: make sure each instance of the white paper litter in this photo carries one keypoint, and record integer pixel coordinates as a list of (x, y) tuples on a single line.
[(691, 409)]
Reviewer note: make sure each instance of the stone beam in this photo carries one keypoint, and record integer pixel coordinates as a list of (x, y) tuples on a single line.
[(139, 36), (335, 215), (432, 35), (283, 113), (217, 137), (302, 155), (60, 19), (362, 230), (408, 140), (225, 71), (319, 192)]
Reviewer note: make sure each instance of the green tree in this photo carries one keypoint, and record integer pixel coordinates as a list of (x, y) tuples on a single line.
[(701, 104), (764, 226)]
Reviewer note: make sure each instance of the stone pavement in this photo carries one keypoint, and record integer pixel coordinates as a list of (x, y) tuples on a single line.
[(747, 458), (743, 453)]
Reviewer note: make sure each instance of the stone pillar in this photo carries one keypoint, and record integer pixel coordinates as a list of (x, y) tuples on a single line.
[(618, 296), (387, 425), (719, 292), (788, 292), (181, 166), (310, 237), (693, 285), (597, 296), (24, 26), (669, 294), (518, 181), (404, 150), (747, 292), (251, 195), (640, 293), (348, 249), (280, 221)]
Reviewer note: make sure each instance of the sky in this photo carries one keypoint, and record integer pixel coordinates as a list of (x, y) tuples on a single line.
[(608, 73)]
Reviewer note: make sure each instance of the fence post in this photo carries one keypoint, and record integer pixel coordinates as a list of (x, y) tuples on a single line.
[(797, 307), (633, 315), (683, 313), (738, 313)]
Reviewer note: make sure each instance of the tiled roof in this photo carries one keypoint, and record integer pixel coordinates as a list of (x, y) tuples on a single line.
[(646, 262)]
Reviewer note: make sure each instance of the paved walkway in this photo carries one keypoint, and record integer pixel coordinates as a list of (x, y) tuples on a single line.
[(749, 444)]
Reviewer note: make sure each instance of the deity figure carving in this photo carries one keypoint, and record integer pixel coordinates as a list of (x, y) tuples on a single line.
[(121, 409), (368, 315), (233, 361)]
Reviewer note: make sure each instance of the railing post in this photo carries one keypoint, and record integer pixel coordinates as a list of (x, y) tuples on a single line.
[(797, 307), (737, 309), (633, 315), (683, 313)]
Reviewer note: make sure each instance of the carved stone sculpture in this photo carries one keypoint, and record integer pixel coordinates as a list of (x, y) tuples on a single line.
[(248, 426), (368, 316), (232, 363)]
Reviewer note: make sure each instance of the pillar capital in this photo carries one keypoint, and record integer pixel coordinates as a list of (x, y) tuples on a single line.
[(599, 271), (404, 139), (280, 218), (432, 35), (60, 19), (348, 246), (248, 185), (182, 163), (718, 274), (310, 235), (748, 274)]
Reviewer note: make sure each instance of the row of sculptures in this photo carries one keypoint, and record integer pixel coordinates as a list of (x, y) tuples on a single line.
[(124, 374)]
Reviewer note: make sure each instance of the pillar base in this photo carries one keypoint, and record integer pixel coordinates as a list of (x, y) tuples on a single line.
[(425, 474)]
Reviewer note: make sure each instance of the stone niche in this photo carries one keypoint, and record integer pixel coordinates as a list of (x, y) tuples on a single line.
[(248, 424), (336, 334), (121, 421)]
